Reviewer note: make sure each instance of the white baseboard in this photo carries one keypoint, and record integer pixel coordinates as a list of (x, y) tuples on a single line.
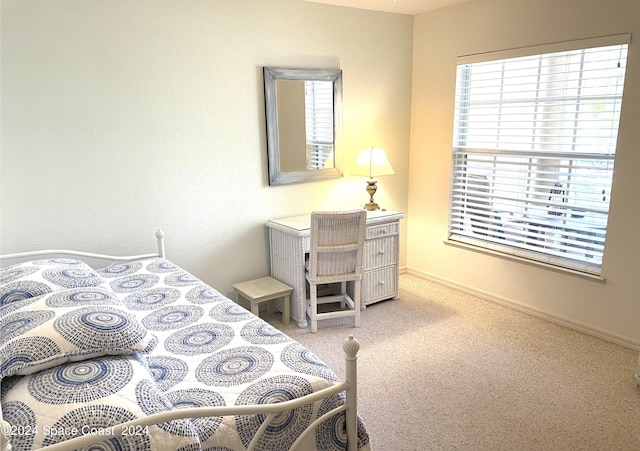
[(530, 310)]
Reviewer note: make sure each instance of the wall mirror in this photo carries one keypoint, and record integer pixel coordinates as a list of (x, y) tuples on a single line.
[(304, 119)]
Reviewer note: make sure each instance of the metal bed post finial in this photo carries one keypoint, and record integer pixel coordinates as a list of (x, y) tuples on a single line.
[(160, 238)]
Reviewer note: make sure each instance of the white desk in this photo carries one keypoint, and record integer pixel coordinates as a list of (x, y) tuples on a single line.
[(290, 240)]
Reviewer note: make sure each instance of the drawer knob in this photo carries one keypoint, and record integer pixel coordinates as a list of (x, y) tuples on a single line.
[(381, 282), (381, 252)]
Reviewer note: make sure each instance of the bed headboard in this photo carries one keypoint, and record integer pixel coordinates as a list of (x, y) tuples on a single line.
[(160, 253)]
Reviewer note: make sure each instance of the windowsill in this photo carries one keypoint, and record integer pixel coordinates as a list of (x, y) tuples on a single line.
[(516, 258)]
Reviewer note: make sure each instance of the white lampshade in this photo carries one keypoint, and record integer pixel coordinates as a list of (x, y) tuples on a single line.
[(373, 162)]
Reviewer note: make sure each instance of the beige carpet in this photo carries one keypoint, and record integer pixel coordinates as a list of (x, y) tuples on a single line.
[(442, 370)]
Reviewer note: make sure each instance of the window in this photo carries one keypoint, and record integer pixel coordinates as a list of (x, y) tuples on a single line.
[(319, 120), (534, 146)]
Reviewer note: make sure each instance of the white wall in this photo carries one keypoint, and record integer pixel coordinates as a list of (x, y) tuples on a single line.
[(119, 117), (611, 309)]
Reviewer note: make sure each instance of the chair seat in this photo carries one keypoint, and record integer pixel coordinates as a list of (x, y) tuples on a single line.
[(321, 280)]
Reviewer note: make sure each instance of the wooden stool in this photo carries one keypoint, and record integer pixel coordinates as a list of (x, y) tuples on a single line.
[(262, 290)]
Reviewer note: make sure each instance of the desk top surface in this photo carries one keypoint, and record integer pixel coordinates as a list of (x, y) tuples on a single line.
[(300, 225)]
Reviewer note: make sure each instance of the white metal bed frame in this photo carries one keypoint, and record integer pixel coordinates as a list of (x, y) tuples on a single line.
[(348, 385), (160, 253)]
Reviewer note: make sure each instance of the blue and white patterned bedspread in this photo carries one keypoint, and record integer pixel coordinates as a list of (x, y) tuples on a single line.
[(180, 343)]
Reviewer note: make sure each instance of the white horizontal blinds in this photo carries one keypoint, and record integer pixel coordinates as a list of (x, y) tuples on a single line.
[(533, 153), (319, 122)]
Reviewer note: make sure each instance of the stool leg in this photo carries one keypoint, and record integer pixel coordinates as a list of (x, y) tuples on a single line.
[(286, 311), (255, 308)]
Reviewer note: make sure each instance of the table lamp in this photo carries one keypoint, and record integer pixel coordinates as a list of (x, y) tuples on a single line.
[(372, 162)]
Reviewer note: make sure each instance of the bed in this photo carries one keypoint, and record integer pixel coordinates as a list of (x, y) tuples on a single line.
[(142, 355)]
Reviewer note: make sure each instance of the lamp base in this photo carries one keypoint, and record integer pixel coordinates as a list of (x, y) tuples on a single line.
[(371, 190)]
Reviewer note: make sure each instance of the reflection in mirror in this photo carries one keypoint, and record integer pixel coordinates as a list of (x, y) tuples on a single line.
[(303, 112), (305, 121)]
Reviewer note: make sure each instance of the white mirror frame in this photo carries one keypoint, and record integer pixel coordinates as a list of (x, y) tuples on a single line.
[(271, 75)]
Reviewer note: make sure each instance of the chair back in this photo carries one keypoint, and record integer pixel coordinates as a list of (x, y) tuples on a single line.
[(337, 246)]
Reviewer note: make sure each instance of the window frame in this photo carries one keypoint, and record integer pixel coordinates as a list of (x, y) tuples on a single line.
[(557, 197)]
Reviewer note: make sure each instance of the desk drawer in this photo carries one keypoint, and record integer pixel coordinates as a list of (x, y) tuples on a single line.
[(382, 230), (380, 252), (380, 284)]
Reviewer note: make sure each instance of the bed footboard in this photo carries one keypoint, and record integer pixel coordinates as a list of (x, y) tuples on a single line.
[(349, 386)]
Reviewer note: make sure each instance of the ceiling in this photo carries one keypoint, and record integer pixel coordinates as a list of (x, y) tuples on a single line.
[(393, 6)]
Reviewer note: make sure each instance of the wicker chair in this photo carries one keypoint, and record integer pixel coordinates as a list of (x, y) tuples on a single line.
[(337, 245)]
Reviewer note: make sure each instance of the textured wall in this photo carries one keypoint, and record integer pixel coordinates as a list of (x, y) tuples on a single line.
[(120, 117)]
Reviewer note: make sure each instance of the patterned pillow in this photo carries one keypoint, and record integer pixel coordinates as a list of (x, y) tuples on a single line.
[(69, 325), (35, 278)]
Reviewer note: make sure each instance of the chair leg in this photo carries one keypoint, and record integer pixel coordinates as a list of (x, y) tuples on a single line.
[(313, 307), (356, 301)]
